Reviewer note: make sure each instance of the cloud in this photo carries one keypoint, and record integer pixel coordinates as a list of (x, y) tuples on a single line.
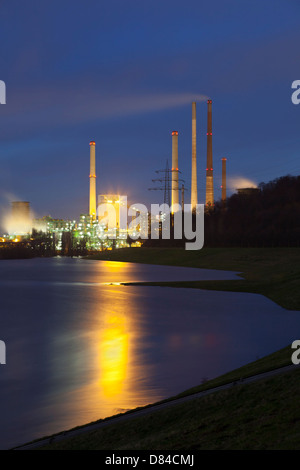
[(138, 104), (32, 110)]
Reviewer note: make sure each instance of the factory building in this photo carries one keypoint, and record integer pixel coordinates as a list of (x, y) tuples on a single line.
[(47, 224), (56, 228), (247, 191), (109, 210)]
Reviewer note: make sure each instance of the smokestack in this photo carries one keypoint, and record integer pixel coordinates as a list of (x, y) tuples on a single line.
[(182, 196), (194, 191), (92, 210), (175, 189), (224, 179), (209, 200)]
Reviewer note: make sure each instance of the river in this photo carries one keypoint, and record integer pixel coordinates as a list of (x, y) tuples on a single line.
[(80, 346)]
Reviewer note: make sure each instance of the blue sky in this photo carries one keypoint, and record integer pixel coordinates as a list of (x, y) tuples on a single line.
[(125, 74)]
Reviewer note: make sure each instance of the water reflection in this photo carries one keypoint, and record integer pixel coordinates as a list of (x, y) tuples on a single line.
[(99, 365), (78, 351)]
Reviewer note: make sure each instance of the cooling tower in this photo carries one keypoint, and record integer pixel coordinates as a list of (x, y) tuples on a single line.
[(20, 210), (19, 223)]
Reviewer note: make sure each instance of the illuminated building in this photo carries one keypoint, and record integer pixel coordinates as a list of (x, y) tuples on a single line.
[(54, 227), (138, 227), (109, 212), (86, 232)]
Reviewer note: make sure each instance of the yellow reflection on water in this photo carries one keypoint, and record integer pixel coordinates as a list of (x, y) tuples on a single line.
[(116, 266), (106, 373), (114, 355)]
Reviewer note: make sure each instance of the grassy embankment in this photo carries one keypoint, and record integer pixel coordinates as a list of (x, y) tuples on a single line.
[(262, 415), (273, 272)]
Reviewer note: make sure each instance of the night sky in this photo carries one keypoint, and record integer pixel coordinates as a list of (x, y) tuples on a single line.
[(124, 73)]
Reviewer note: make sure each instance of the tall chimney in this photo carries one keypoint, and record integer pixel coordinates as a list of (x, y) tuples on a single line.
[(175, 189), (92, 210), (209, 200), (194, 191), (224, 179)]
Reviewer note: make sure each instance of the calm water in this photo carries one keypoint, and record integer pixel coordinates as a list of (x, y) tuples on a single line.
[(80, 348)]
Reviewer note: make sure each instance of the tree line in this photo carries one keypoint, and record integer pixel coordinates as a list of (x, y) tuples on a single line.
[(267, 217)]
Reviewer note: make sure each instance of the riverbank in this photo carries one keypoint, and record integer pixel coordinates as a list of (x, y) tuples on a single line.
[(273, 272), (261, 415)]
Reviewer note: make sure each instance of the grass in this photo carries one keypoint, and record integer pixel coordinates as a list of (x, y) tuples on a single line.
[(275, 360), (273, 272), (262, 415), (182, 425)]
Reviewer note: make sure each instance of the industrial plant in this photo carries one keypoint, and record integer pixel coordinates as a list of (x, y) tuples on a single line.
[(101, 228)]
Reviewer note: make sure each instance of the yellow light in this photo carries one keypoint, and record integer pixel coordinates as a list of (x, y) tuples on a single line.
[(114, 356)]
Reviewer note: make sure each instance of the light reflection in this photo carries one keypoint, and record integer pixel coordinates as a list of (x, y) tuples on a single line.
[(115, 272), (112, 283), (114, 355), (116, 266), (105, 371)]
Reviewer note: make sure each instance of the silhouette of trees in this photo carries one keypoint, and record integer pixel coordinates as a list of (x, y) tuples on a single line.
[(267, 217)]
